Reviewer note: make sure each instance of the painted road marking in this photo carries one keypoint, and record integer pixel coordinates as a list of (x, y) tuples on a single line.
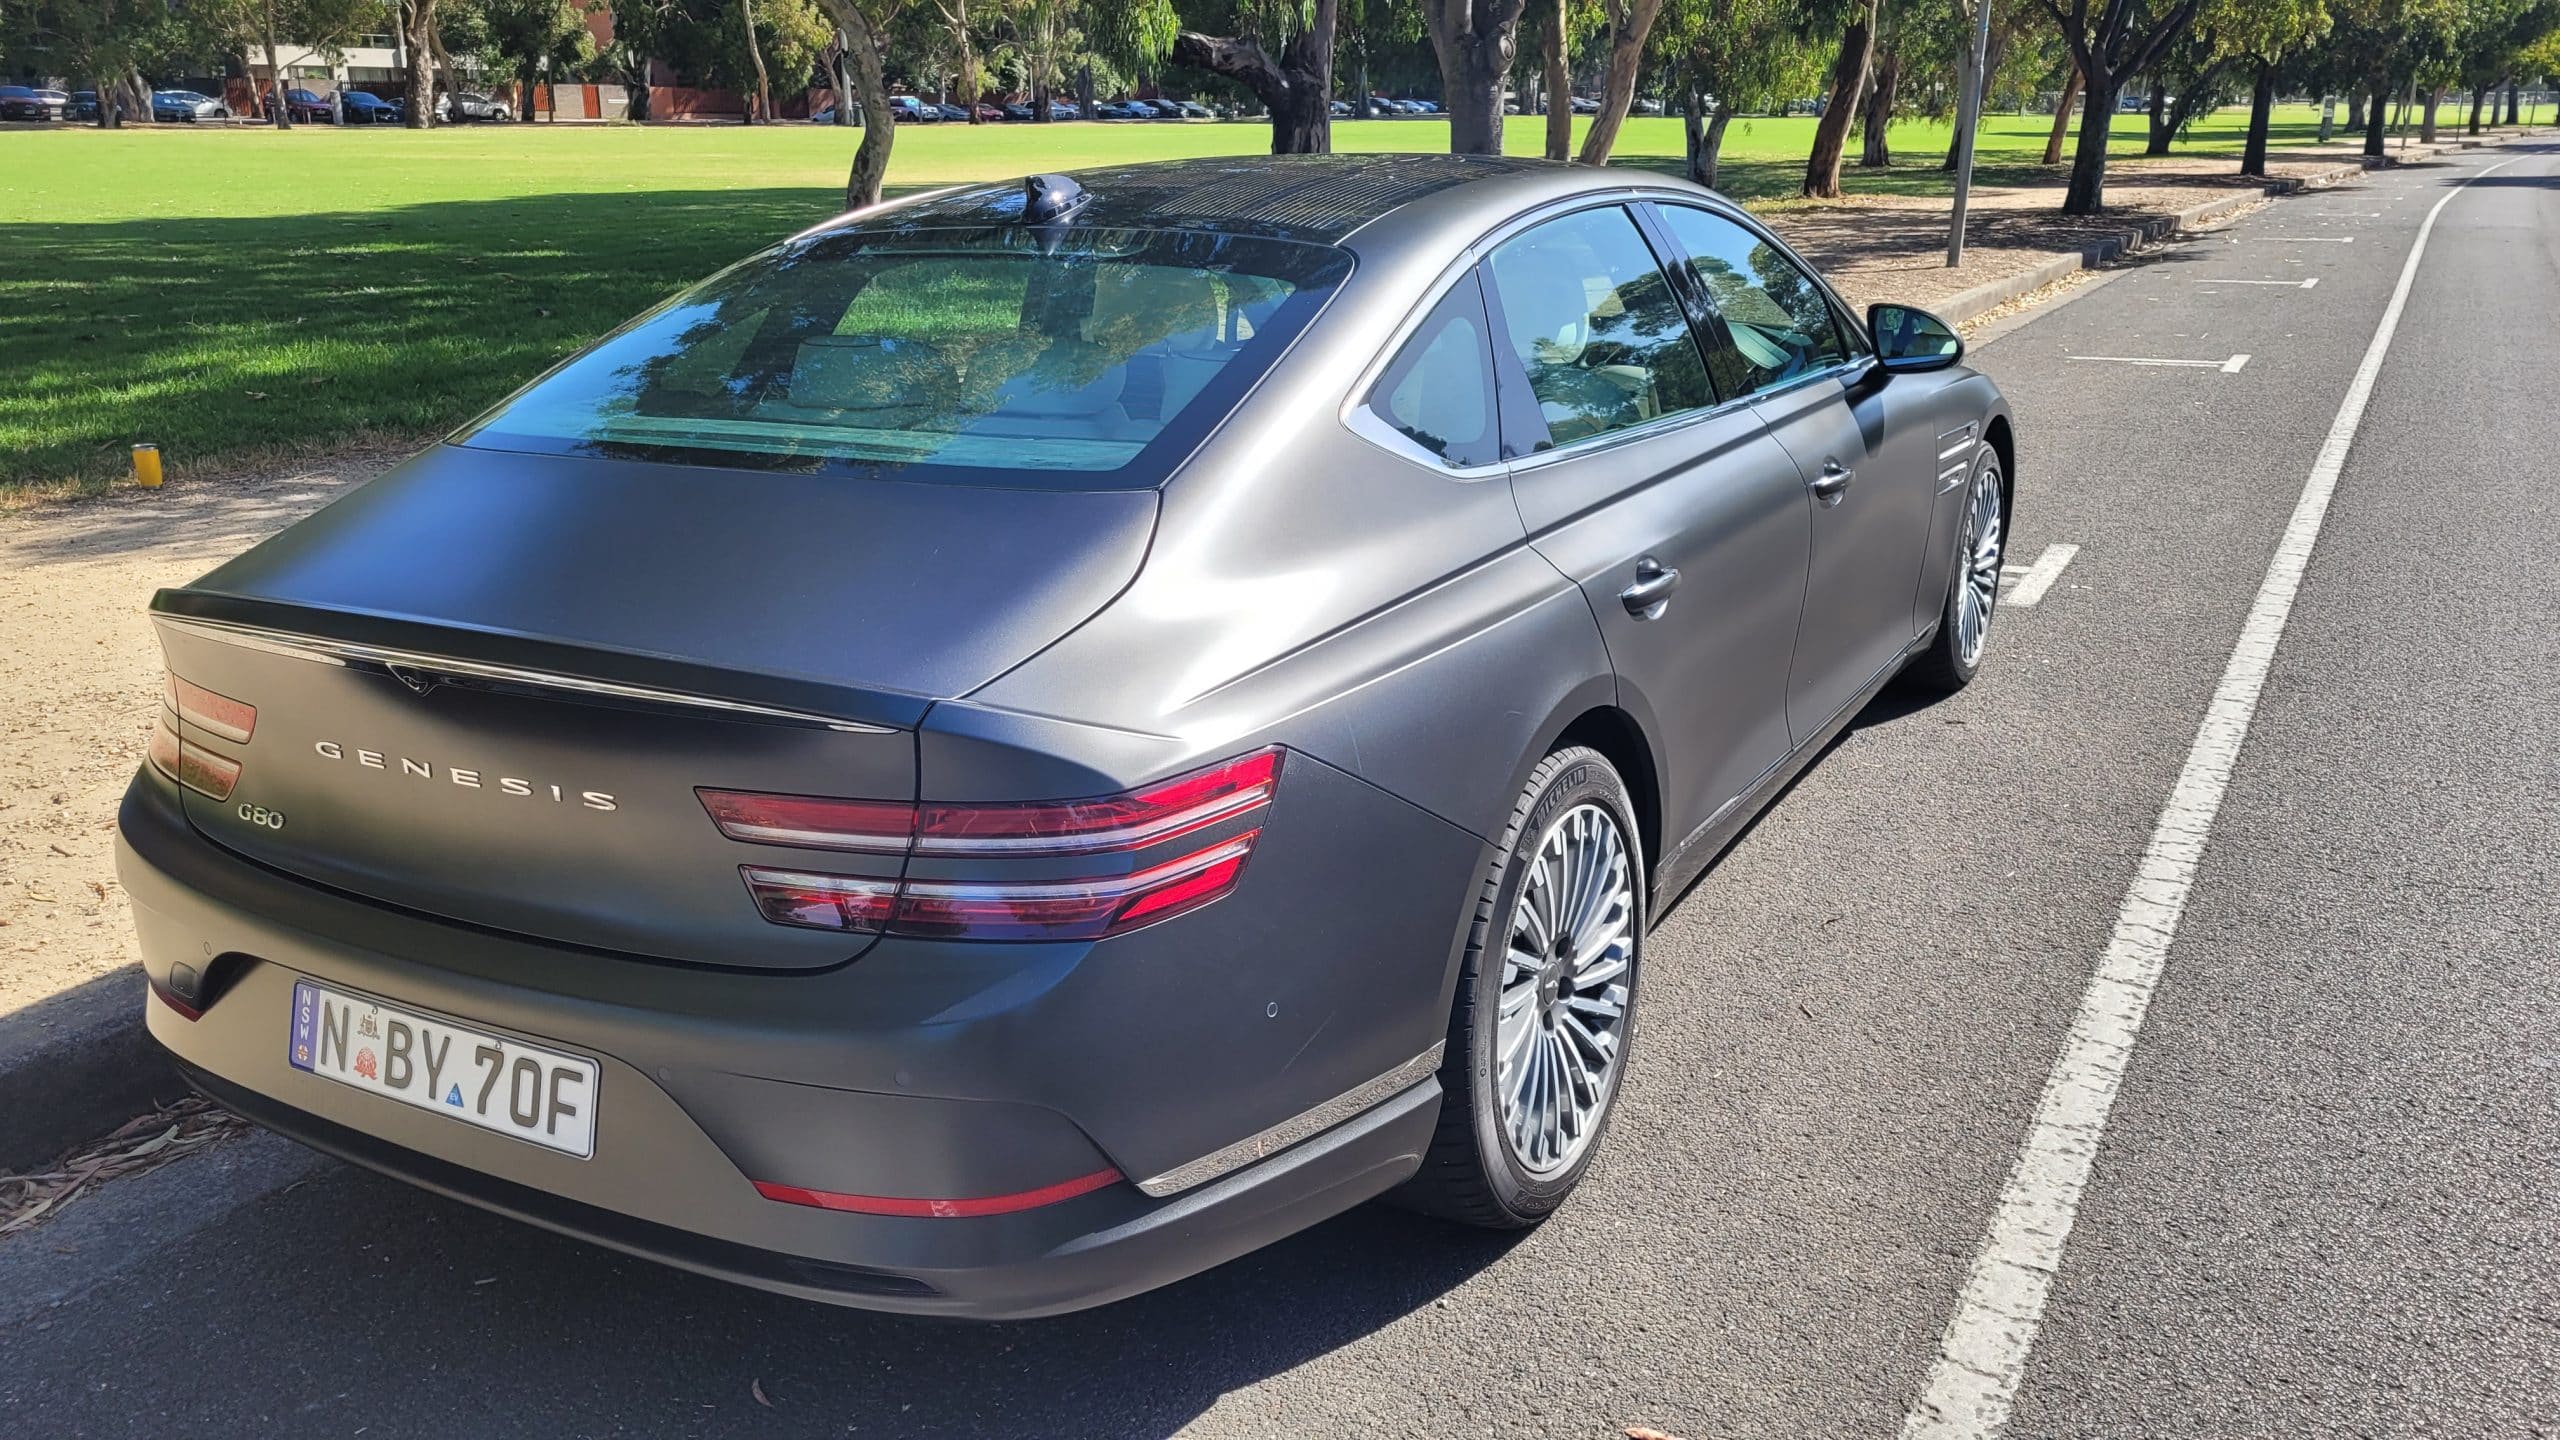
[(2313, 239), (2288, 284), (2227, 367), (2030, 584), (1983, 1355)]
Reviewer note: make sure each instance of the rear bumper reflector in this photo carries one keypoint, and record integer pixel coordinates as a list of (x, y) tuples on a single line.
[(960, 1209)]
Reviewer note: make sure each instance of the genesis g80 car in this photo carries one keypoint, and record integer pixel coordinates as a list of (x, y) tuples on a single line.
[(1030, 740)]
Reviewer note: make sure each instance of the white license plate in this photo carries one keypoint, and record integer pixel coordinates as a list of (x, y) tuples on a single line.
[(534, 1094)]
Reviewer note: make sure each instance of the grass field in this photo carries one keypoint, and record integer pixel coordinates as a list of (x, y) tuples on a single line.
[(221, 293)]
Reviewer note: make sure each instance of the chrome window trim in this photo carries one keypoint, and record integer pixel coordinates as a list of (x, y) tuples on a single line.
[(351, 653), (1305, 1125)]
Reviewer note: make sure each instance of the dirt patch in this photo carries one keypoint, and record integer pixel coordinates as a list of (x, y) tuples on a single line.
[(83, 675)]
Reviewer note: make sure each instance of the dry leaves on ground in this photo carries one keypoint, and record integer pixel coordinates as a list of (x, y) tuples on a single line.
[(145, 1142)]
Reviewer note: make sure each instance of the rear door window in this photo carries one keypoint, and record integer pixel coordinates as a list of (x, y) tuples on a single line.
[(1586, 312), (1089, 360), (1438, 391)]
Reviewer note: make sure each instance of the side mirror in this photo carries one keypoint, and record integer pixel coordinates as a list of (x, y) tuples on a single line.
[(1910, 340)]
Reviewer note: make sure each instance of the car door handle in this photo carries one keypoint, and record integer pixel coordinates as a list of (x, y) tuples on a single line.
[(1646, 598), (1833, 483)]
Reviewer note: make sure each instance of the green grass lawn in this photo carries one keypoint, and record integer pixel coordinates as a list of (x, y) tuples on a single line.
[(222, 293)]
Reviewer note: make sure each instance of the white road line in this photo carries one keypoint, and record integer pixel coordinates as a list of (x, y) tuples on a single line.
[(2036, 579), (1983, 1354), (2230, 366), (2311, 239), (2288, 284)]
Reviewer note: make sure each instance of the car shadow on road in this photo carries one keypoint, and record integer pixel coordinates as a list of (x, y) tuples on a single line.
[(357, 1300)]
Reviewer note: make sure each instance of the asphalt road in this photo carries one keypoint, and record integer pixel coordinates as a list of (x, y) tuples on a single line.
[(2323, 1203)]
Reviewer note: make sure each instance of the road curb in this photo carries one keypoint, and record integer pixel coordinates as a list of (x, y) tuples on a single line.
[(75, 1066), (1965, 305)]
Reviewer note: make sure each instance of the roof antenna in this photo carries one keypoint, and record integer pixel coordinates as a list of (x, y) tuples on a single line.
[(1051, 199)]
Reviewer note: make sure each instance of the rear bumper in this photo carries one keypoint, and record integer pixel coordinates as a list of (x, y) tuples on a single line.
[(937, 1074)]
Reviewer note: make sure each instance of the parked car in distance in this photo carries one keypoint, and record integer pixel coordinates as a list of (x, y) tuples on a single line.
[(1648, 107), (307, 105), (84, 105), (1279, 822), (25, 102), (826, 115), (364, 108), (908, 110), (987, 112), (470, 105), (169, 106)]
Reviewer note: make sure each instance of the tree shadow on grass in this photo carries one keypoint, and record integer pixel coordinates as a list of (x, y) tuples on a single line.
[(208, 336)]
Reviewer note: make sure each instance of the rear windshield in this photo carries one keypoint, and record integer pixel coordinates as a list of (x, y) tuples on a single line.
[(1085, 359)]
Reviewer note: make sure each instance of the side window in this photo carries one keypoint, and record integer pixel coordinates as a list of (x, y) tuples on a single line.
[(1594, 324), (1438, 391), (1780, 323)]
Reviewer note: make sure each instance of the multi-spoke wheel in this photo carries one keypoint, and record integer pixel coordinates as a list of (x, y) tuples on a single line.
[(1546, 1002), (1564, 996), (1973, 589)]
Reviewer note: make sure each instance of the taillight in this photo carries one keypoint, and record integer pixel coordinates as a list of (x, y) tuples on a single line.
[(207, 772), (1164, 811), (1050, 908)]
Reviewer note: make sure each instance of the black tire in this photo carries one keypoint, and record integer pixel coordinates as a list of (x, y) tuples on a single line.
[(1470, 1174), (1944, 668)]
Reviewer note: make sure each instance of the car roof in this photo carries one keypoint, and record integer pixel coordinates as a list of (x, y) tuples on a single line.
[(1318, 198)]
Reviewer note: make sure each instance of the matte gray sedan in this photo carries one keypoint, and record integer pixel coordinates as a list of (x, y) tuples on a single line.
[(1023, 743)]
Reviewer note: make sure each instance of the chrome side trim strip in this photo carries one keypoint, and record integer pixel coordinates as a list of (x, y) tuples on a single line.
[(343, 652), (1303, 1126)]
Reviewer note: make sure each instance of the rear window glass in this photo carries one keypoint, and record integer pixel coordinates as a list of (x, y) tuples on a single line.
[(1014, 355)]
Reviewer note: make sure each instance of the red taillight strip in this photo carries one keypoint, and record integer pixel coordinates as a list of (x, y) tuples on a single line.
[(193, 766), (161, 993), (218, 715), (1132, 821), (1024, 910), (960, 1209)]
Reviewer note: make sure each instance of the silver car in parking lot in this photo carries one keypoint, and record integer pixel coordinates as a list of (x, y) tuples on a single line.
[(1023, 743)]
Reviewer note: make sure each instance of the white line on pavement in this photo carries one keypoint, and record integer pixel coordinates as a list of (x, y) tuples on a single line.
[(2036, 579), (2312, 239), (2288, 284), (2227, 367), (1983, 1354)]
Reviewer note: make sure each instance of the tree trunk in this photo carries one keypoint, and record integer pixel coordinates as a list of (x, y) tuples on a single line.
[(968, 60), (418, 96), (2479, 100), (2262, 107), (2087, 194), (871, 92), (1715, 140), (526, 94), (110, 104), (1848, 85), (279, 114), (2427, 117), (1964, 83), (1297, 88), (2377, 118), (840, 70), (762, 109), (1693, 127), (2512, 87), (2158, 141), (1878, 154), (1559, 84), (2062, 119), (1471, 86), (1630, 25), (2355, 112)]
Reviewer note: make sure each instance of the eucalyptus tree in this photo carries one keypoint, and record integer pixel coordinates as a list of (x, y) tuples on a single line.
[(1628, 26), (2122, 39), (1849, 72), (527, 38), (2266, 35), (1280, 50), (1733, 54), (1475, 42), (860, 24)]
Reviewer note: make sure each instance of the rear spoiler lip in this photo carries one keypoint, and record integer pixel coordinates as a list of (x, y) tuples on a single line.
[(331, 635)]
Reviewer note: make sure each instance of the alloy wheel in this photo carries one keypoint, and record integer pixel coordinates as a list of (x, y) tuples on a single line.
[(1984, 542), (1563, 1016)]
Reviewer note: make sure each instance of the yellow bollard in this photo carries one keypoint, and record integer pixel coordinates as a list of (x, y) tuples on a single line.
[(146, 466)]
